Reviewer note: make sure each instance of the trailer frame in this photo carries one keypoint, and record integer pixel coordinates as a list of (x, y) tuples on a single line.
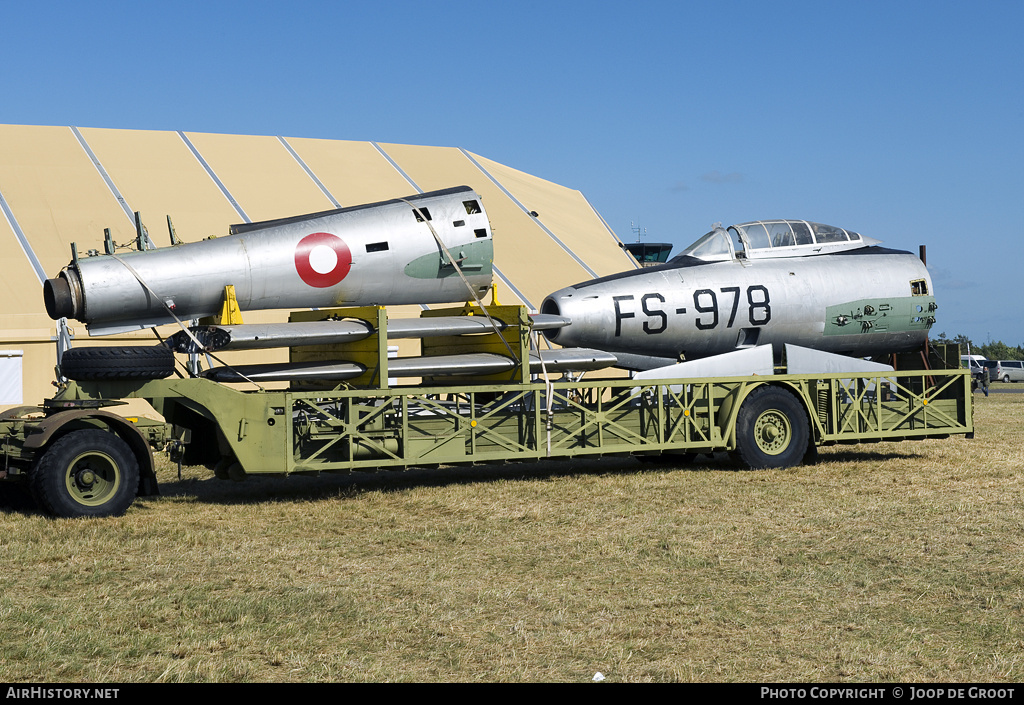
[(764, 421)]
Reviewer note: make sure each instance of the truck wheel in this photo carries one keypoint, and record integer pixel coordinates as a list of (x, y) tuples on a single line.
[(771, 429), (86, 473), (139, 362)]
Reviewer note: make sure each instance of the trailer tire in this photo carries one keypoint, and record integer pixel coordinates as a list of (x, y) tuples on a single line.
[(771, 429), (86, 473), (136, 362)]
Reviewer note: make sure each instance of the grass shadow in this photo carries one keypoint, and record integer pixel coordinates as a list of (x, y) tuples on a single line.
[(207, 489), (16, 499), (258, 489), (865, 456)]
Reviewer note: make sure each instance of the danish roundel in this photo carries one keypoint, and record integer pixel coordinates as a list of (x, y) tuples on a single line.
[(322, 259)]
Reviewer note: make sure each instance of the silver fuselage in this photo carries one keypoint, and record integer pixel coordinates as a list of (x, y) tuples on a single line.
[(378, 254), (861, 302)]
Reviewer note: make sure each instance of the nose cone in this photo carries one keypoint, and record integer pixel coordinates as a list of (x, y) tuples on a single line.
[(620, 313), (580, 307)]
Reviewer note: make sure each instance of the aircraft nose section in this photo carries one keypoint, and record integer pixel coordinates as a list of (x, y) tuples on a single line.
[(552, 305), (569, 303)]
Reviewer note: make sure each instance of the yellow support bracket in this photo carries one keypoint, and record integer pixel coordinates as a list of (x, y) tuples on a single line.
[(471, 309), (230, 311)]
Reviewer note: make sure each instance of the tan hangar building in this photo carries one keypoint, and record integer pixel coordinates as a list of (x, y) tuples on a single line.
[(60, 185)]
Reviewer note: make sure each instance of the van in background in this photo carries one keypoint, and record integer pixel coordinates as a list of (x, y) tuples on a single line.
[(995, 370), (1011, 371), (973, 362)]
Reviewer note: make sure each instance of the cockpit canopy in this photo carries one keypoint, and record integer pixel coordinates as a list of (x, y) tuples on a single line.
[(763, 239)]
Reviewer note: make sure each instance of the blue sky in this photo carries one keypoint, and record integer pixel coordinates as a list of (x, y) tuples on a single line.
[(901, 120)]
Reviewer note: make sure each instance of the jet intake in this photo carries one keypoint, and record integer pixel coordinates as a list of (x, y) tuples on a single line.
[(550, 307)]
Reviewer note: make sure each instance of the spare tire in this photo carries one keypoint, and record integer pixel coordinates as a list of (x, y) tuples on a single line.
[(128, 362)]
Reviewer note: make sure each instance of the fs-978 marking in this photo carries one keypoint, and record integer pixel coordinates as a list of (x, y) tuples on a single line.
[(705, 302)]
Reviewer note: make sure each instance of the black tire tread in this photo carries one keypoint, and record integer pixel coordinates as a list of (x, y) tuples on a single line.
[(134, 362), (47, 479), (761, 399)]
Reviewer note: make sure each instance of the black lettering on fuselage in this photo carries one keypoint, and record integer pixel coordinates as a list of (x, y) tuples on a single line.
[(619, 314), (706, 303), (711, 308), (760, 311), (654, 314), (735, 291)]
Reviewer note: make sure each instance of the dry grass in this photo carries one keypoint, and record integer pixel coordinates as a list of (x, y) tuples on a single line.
[(890, 562)]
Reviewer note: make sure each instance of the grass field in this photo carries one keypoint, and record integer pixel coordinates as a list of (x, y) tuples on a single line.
[(887, 562)]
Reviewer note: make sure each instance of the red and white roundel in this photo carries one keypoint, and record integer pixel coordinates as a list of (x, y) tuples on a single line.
[(322, 259)]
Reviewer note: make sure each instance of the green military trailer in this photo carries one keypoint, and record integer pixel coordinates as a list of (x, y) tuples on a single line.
[(79, 458)]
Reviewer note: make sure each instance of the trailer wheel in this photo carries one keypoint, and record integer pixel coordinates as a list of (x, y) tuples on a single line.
[(771, 429), (86, 473), (139, 362)]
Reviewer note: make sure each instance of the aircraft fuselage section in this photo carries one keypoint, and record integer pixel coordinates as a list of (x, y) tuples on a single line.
[(401, 251), (861, 304)]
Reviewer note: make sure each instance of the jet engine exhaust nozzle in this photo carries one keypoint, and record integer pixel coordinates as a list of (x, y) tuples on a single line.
[(59, 299)]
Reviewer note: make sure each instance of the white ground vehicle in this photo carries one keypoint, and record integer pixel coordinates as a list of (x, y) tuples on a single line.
[(1011, 371)]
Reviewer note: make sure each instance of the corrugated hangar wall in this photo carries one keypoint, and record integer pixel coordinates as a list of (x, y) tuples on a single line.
[(60, 185)]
